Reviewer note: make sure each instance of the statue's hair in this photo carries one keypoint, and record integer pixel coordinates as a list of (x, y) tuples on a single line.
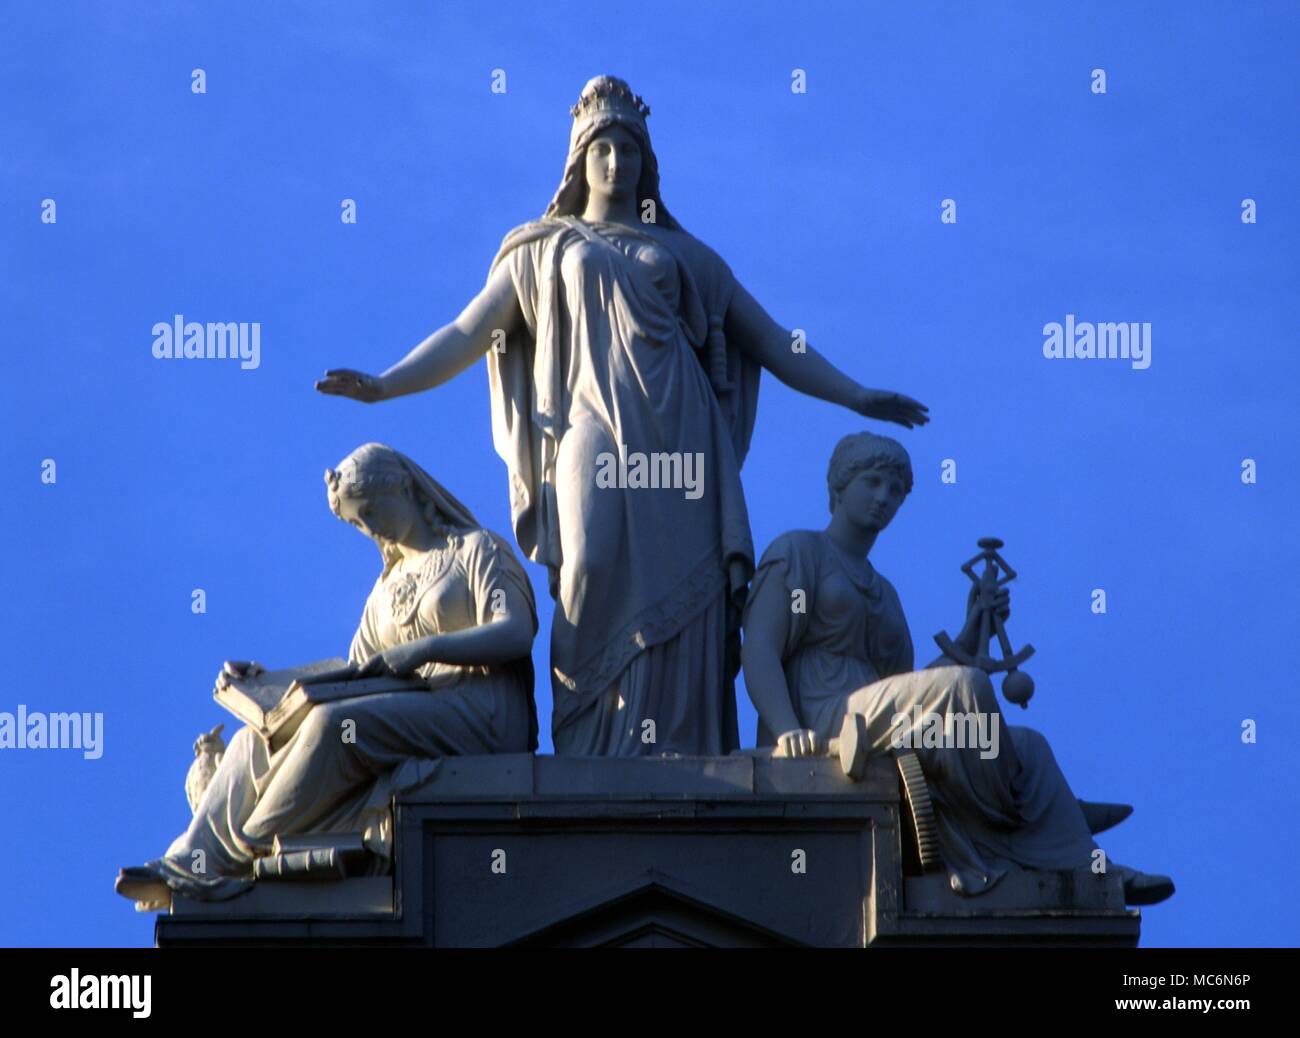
[(608, 101), (859, 451), (376, 467)]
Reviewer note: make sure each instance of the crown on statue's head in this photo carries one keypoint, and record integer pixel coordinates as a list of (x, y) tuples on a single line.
[(609, 94)]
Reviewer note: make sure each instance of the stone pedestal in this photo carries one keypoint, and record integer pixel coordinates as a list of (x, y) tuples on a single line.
[(724, 851)]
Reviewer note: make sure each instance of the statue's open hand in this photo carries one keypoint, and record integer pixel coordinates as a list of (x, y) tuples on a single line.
[(799, 742), (355, 384), (892, 407), (238, 669), (400, 661)]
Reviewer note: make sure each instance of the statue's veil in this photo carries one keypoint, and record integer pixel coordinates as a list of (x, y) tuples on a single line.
[(431, 491), (428, 492)]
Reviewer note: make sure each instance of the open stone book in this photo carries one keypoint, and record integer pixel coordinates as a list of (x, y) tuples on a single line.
[(275, 701)]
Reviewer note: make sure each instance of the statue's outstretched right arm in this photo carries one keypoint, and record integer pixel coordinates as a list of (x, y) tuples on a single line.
[(492, 314)]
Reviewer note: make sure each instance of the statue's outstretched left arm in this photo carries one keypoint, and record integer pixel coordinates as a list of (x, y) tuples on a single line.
[(802, 368)]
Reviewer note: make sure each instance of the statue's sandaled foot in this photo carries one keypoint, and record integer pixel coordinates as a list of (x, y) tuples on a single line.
[(152, 884), (148, 890), (1143, 888)]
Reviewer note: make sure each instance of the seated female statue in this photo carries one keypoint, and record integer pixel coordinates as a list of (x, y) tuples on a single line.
[(825, 637), (453, 609)]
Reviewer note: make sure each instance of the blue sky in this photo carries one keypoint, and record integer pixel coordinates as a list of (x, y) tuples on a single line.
[(225, 207)]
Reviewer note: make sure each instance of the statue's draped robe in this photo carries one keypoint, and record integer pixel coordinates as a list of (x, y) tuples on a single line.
[(623, 337), (850, 651), (318, 781)]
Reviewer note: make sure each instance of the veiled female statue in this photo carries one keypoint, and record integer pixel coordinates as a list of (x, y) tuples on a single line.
[(624, 361), (453, 609), (825, 637)]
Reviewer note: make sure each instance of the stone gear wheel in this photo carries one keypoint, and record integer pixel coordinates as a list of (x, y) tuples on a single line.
[(921, 809)]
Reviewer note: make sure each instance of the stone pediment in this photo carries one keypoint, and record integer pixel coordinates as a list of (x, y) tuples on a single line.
[(651, 911)]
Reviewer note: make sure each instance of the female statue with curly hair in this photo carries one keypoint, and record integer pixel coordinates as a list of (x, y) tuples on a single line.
[(453, 610), (618, 341), (846, 650)]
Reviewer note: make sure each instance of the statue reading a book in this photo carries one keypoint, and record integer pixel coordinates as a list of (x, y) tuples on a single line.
[(324, 747)]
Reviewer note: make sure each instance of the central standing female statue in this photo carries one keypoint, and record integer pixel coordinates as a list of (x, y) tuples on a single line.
[(624, 361)]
